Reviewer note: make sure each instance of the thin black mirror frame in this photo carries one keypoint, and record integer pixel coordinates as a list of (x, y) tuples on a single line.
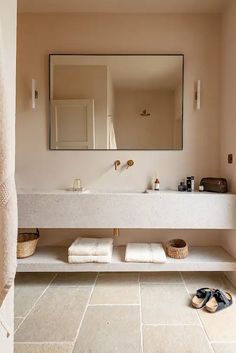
[(119, 149)]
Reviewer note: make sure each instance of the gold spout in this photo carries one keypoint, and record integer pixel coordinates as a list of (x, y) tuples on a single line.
[(116, 232), (130, 163), (116, 164)]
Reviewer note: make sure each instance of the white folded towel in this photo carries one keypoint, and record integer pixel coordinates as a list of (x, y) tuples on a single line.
[(137, 252), (84, 259), (91, 247)]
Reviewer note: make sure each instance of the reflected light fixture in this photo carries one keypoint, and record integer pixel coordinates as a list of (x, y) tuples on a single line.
[(145, 114)]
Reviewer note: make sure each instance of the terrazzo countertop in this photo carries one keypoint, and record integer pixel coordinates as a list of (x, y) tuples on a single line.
[(126, 209)]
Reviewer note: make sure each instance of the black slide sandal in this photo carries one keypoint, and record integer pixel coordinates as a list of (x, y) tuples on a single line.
[(203, 295), (219, 301)]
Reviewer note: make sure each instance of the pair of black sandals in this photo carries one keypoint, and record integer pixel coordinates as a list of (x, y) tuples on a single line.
[(211, 299)]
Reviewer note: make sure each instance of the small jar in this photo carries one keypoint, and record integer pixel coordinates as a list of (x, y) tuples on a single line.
[(77, 184), (201, 188)]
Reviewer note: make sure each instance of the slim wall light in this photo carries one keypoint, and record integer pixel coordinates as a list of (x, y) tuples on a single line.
[(198, 95)]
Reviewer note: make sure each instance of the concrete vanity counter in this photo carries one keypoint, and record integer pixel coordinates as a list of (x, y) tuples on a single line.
[(163, 209)]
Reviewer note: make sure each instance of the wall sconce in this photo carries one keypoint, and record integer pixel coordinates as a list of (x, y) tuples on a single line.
[(198, 95), (145, 114), (35, 93)]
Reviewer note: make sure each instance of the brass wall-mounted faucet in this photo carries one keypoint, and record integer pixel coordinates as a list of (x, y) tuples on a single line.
[(116, 232), (116, 164), (129, 163)]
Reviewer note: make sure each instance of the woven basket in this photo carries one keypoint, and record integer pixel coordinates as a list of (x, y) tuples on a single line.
[(177, 249), (26, 244)]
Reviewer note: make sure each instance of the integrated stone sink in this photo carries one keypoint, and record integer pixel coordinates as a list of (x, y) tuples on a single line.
[(126, 209), (102, 192)]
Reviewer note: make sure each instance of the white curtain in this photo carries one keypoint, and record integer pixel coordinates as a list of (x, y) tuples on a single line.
[(111, 132), (8, 204)]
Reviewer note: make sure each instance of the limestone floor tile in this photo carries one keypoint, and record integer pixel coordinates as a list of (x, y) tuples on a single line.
[(43, 348), (177, 339), (74, 279), (221, 326), (28, 288), (166, 304), (161, 277), (17, 322), (110, 329), (224, 347), (56, 317), (116, 288), (196, 280)]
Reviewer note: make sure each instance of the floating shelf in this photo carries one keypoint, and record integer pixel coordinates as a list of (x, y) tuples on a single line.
[(54, 259)]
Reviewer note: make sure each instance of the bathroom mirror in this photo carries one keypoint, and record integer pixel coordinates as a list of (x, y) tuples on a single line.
[(125, 102)]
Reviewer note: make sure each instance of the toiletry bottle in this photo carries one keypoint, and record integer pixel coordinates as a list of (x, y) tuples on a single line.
[(192, 183), (182, 186), (189, 184), (201, 188), (157, 185)]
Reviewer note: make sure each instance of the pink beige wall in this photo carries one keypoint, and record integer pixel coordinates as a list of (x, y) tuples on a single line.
[(197, 36), (8, 32), (228, 111), (136, 132), (228, 89)]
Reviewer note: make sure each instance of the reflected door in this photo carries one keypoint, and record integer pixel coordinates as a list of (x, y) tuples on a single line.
[(72, 124)]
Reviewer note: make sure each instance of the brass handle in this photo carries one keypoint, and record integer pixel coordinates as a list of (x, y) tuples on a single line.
[(116, 164), (130, 163)]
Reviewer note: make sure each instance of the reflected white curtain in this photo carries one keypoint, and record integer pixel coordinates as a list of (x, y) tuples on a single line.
[(111, 134)]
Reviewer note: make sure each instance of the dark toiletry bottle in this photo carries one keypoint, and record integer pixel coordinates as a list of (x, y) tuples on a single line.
[(182, 186), (157, 185), (189, 184), (192, 183)]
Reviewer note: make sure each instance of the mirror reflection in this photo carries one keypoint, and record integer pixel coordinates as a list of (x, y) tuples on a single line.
[(116, 102)]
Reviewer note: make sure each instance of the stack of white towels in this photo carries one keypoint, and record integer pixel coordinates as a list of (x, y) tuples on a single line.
[(90, 250), (100, 250), (143, 252)]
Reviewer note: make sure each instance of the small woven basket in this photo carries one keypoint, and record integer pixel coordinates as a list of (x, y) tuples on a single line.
[(26, 244), (177, 249)]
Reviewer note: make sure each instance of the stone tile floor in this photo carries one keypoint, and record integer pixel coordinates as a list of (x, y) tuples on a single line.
[(120, 312)]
